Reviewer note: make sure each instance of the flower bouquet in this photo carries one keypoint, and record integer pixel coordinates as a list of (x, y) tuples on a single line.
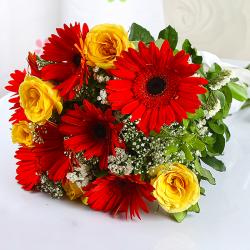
[(119, 120)]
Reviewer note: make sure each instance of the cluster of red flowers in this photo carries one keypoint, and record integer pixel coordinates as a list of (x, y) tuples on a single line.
[(152, 86)]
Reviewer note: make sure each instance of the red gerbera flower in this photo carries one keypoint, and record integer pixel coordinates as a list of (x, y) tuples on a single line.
[(47, 156), (17, 78), (155, 86), (68, 66), (119, 194), (93, 131)]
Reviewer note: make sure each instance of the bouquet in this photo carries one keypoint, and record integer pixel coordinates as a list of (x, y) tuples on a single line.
[(120, 119)]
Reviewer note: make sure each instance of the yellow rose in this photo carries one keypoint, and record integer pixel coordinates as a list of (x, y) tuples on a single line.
[(38, 99), (104, 43), (72, 190), (176, 188), (21, 133)]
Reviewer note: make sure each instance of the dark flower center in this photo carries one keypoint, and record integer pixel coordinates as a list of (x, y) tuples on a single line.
[(77, 59), (100, 130), (156, 85)]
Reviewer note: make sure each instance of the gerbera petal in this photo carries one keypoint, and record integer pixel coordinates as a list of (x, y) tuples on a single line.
[(144, 51), (169, 115), (135, 56), (119, 85), (144, 123), (130, 107), (136, 114), (194, 81), (127, 64), (179, 111), (153, 119), (58, 71), (191, 88), (125, 74)]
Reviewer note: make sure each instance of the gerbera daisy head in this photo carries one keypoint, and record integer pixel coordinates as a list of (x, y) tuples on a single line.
[(17, 78), (47, 156), (155, 86), (119, 194), (68, 64), (93, 131)]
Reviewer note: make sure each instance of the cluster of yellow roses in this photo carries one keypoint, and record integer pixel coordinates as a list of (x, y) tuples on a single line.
[(176, 187), (38, 99)]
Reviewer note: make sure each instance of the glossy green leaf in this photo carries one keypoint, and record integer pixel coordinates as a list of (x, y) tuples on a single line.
[(191, 51), (246, 104), (188, 154), (195, 208), (138, 33), (171, 149), (239, 92), (214, 163), (221, 97), (179, 217), (171, 35), (220, 144), (202, 191), (204, 173), (217, 128)]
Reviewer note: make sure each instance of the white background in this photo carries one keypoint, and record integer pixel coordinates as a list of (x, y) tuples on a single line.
[(36, 222)]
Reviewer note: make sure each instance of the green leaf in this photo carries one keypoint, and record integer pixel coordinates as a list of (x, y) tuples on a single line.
[(202, 191), (227, 133), (202, 98), (185, 123), (197, 59), (171, 149), (239, 92), (179, 217), (217, 128), (219, 115), (100, 173), (188, 137), (195, 208), (209, 140), (221, 98), (214, 163), (216, 68), (220, 144), (171, 35), (187, 46), (138, 33), (246, 104), (191, 51), (199, 113), (194, 142), (228, 94), (198, 144), (204, 173), (187, 152)]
